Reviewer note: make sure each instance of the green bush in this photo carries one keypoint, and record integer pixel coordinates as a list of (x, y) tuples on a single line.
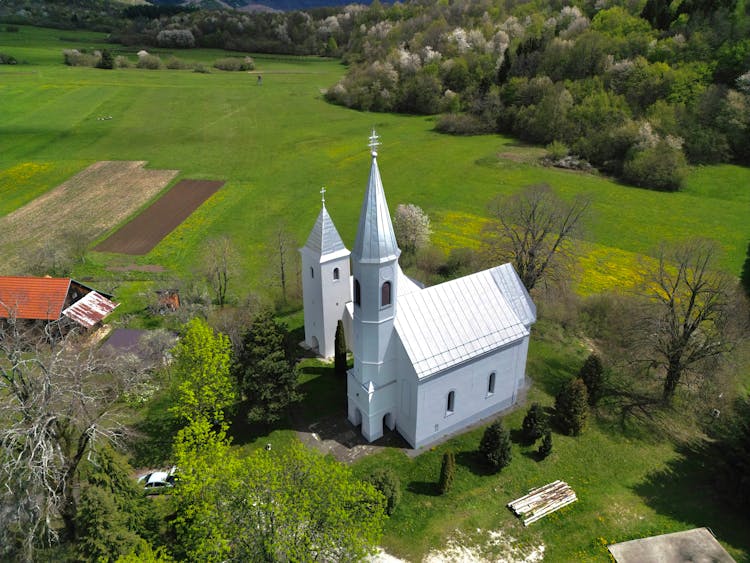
[(150, 62), (234, 64), (745, 274), (122, 62), (495, 446), (592, 375), (447, 472), (557, 150), (203, 69), (534, 424), (173, 63), (571, 407), (387, 482), (461, 124), (661, 167), (545, 448), (339, 359), (106, 61), (7, 59), (74, 57)]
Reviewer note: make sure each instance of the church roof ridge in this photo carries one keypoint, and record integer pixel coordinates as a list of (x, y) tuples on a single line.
[(376, 241)]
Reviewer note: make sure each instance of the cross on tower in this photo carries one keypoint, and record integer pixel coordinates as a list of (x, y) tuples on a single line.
[(323, 195), (374, 143)]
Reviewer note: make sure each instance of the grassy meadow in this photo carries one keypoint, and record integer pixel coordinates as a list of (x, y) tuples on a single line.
[(275, 145)]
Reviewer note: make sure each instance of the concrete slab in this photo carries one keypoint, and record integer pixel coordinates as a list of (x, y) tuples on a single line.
[(697, 546)]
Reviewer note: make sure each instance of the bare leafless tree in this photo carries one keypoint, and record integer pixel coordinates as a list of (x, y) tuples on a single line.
[(533, 229), (58, 398), (687, 314), (286, 247), (220, 261)]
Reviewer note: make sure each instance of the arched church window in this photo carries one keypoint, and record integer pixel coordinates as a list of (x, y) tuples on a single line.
[(335, 273), (451, 402), (491, 384), (385, 294), (357, 293), (312, 272)]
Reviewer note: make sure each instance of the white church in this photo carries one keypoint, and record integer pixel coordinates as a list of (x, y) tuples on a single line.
[(427, 361)]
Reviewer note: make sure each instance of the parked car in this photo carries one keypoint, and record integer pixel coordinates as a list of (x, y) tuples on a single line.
[(158, 480)]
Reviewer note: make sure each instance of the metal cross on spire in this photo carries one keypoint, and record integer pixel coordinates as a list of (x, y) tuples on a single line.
[(323, 195), (374, 143)]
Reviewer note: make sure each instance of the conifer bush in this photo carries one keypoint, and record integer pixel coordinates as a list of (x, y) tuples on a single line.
[(495, 446), (339, 358), (447, 472), (571, 407), (592, 375), (386, 481), (545, 448), (534, 424)]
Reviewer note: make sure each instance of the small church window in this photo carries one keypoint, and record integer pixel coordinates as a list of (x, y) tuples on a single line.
[(335, 273), (312, 272), (385, 294), (491, 384), (357, 293), (451, 402)]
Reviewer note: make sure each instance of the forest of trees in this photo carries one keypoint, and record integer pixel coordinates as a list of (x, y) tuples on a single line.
[(637, 89)]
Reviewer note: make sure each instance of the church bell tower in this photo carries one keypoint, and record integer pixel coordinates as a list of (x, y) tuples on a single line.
[(325, 283), (371, 382)]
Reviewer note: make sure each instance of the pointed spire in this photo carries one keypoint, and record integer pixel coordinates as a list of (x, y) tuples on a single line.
[(324, 238), (376, 241)]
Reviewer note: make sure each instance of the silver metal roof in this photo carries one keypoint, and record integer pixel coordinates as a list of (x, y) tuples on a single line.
[(90, 309), (514, 291), (324, 238), (376, 241), (447, 324)]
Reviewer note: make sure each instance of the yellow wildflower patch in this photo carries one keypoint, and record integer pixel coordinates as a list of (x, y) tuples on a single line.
[(605, 268), (454, 229), (21, 175)]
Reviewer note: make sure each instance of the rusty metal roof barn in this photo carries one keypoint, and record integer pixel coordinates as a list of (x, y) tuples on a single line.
[(49, 299)]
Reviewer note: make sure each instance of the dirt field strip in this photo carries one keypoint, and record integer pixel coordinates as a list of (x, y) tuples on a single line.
[(86, 206), (161, 218)]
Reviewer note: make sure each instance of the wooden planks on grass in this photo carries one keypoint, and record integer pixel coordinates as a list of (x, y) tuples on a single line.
[(146, 231), (542, 501)]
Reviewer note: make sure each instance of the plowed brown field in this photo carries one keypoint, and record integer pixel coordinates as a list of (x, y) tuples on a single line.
[(145, 231), (88, 205)]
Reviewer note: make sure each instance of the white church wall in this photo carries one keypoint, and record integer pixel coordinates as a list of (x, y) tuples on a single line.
[(472, 400), (335, 293)]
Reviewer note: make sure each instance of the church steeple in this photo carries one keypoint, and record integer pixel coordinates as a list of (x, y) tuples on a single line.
[(325, 282), (375, 269), (324, 239), (376, 241)]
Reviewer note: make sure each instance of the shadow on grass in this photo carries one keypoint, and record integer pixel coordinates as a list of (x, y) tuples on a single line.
[(426, 488), (474, 463), (154, 434), (685, 491)]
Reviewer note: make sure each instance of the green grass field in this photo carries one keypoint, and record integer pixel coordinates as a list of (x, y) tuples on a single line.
[(276, 145)]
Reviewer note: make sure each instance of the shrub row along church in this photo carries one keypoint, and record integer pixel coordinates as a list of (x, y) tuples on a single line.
[(427, 361)]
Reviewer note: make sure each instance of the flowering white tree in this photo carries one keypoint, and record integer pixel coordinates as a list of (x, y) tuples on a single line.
[(412, 227)]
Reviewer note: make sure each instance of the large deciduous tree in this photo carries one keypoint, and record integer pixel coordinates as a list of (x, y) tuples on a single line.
[(685, 324), (279, 505), (202, 373), (265, 374), (532, 229), (58, 399)]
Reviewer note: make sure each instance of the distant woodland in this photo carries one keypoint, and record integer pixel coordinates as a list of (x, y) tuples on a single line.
[(637, 89)]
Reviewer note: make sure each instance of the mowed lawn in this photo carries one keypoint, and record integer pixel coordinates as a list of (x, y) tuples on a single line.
[(277, 144)]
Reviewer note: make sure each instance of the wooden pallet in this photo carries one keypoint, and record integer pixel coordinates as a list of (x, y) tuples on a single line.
[(542, 501)]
